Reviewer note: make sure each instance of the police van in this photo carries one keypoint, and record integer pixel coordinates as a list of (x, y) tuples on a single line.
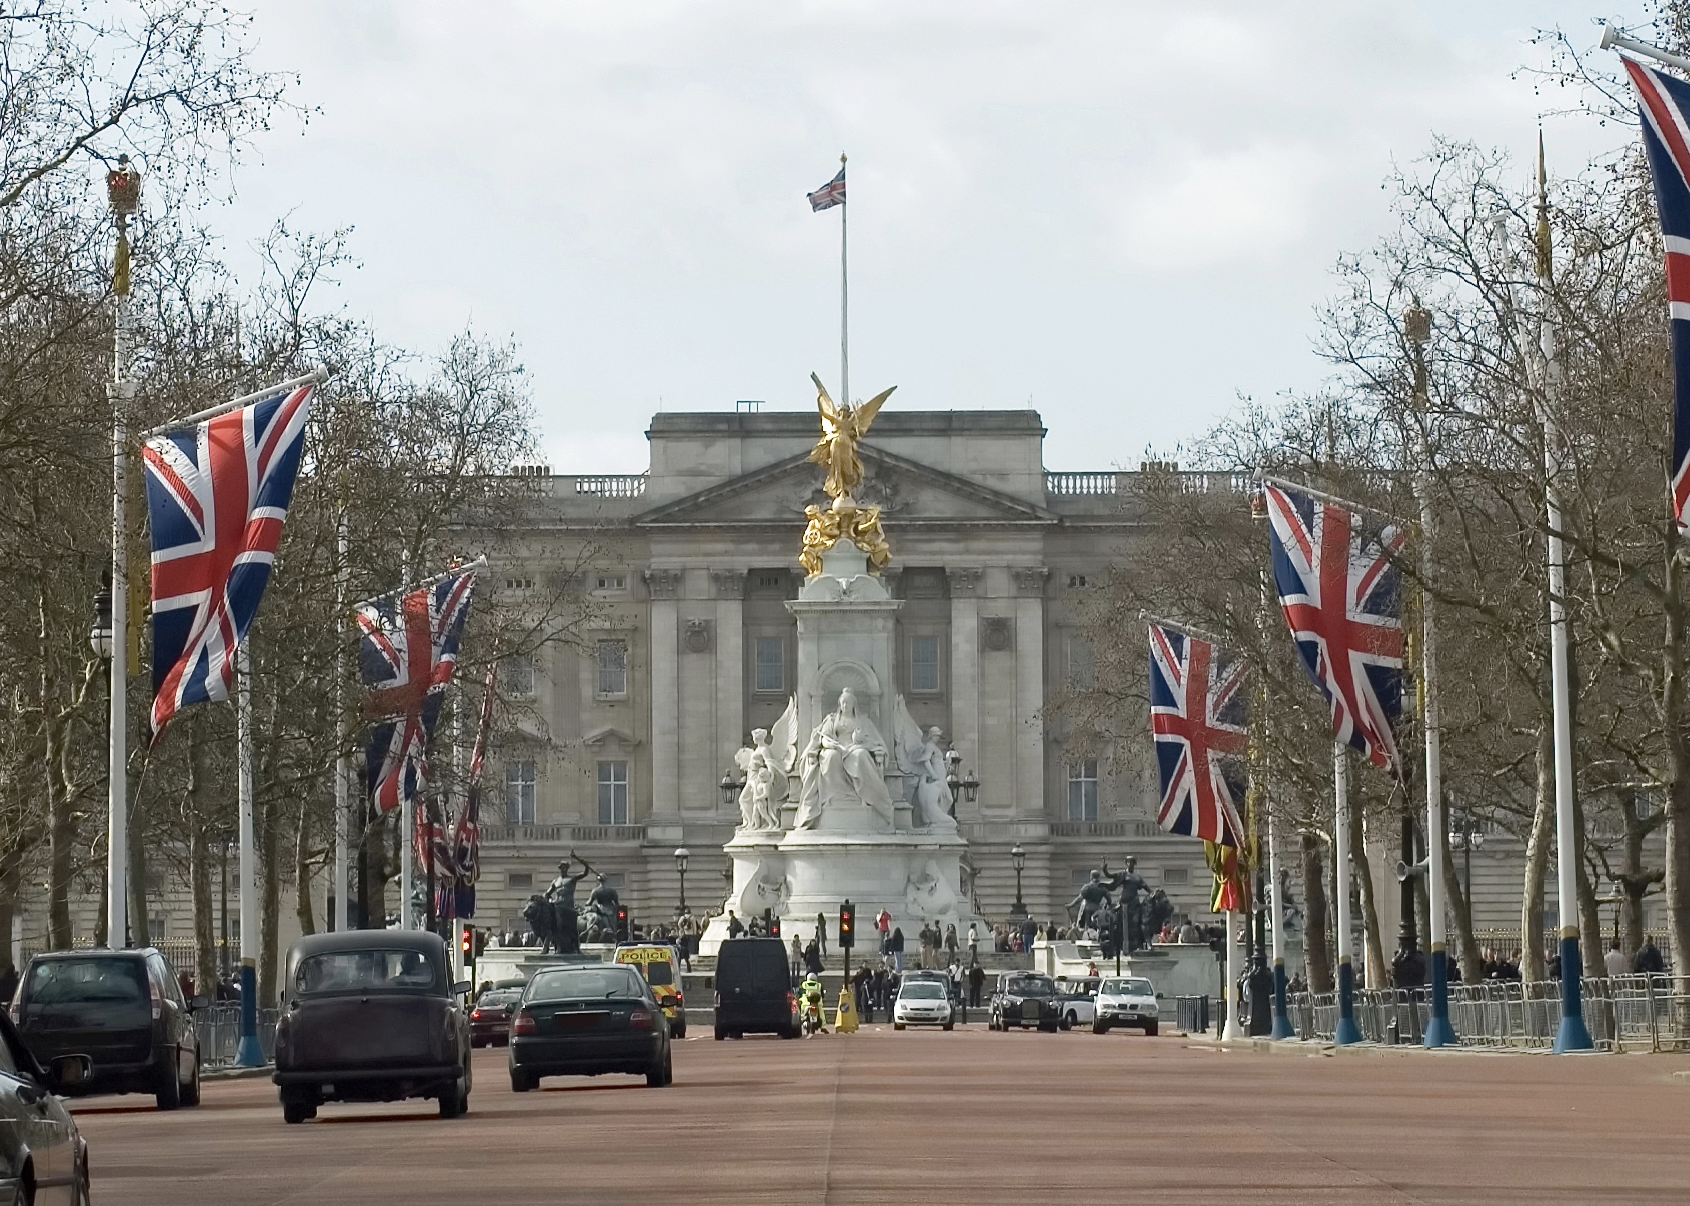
[(661, 967)]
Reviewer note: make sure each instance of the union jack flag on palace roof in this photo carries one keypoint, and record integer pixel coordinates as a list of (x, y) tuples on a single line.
[(1341, 598), (217, 493), (406, 656), (1198, 715), (1664, 105), (830, 194)]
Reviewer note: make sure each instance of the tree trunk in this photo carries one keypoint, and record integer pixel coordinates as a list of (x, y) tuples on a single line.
[(11, 882), (139, 930), (1461, 912), (302, 873), (1677, 740), (1537, 859), (1316, 955), (269, 905), (1372, 948), (61, 831)]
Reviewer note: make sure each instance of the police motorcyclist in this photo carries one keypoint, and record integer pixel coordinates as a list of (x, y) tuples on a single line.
[(810, 992)]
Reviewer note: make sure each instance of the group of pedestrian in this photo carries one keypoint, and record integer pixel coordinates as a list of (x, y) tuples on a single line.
[(938, 948)]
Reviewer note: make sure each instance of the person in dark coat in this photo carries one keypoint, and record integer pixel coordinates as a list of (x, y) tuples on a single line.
[(976, 979), (813, 958), (898, 950), (1648, 960)]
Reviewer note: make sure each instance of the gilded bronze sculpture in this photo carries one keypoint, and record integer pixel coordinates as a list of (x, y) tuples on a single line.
[(843, 426)]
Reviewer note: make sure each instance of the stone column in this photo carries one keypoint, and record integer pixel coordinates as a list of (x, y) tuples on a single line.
[(665, 586), (965, 672), (1029, 688), (729, 588), (697, 773)]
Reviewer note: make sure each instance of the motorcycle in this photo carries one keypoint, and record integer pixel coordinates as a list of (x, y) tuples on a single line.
[(812, 1022)]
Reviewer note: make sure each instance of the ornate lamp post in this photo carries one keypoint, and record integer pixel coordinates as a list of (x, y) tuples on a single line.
[(1465, 837), (730, 789), (682, 854), (967, 788), (1018, 860)]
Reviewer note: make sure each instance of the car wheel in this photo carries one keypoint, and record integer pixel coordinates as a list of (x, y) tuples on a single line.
[(475, 1042), (680, 1031), (521, 1081), (454, 1101), (295, 1112), (897, 1025), (658, 1074), (1100, 1027), (791, 1032), (949, 1026), (191, 1093), (84, 1195), (1150, 1029), (1068, 1021), (722, 1034), (169, 1092)]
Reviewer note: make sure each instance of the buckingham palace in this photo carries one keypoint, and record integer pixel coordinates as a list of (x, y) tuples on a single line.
[(625, 748)]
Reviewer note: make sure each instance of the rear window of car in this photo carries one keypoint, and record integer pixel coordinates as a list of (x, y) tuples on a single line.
[(502, 996), (759, 966), (364, 971), (105, 981), (585, 983)]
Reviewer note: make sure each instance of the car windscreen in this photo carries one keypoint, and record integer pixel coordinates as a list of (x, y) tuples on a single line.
[(1128, 988), (586, 983), (95, 991), (373, 970), (924, 989), (1032, 987)]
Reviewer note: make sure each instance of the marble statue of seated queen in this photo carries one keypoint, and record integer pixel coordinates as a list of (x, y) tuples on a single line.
[(843, 772)]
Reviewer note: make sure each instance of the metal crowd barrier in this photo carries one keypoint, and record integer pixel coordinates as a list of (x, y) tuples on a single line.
[(220, 1034), (1623, 1013)]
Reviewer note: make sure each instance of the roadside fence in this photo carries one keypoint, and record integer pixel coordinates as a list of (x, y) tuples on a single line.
[(1623, 1013), (220, 1034)]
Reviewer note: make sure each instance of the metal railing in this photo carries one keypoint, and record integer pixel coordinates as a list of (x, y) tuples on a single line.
[(220, 1034), (1623, 1013)]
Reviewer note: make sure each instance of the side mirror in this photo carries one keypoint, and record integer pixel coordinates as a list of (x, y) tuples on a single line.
[(70, 1072), (462, 987), (202, 1001)]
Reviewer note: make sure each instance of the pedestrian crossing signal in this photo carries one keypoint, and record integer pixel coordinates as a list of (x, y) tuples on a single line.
[(847, 926)]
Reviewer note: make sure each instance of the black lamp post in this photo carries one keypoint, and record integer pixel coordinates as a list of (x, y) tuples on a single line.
[(1018, 860), (682, 854), (1465, 837), (967, 788), (730, 789), (99, 637)]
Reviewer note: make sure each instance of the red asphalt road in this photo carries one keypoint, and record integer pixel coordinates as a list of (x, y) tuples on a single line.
[(935, 1118)]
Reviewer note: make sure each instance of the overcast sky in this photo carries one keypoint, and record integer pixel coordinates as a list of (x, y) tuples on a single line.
[(1123, 214)]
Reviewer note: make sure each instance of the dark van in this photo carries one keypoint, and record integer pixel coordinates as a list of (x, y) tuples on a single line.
[(123, 1009), (754, 989)]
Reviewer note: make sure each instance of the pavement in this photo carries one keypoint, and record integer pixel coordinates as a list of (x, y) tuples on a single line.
[(933, 1118)]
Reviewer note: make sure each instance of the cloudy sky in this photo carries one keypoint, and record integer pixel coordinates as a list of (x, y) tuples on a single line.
[(1120, 213)]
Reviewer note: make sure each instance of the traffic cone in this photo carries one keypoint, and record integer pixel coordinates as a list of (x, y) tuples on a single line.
[(845, 1017)]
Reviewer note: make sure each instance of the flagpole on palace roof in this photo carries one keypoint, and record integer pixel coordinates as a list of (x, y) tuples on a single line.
[(844, 301)]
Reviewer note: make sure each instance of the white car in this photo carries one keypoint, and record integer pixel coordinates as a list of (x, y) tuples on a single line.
[(1078, 1002), (1126, 1001), (921, 1003)]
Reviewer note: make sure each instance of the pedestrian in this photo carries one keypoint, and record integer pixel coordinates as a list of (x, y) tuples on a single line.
[(736, 927), (950, 942), (1615, 960), (973, 944), (813, 958), (976, 980), (821, 933), (1029, 927), (883, 924), (1648, 960), (898, 950), (860, 989), (797, 957)]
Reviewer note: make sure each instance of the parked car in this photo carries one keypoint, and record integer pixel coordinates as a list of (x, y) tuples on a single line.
[(754, 989), (661, 967), (922, 1003), (490, 1016), (371, 1015), (43, 1156), (1077, 1001), (125, 1011), (1126, 1001), (1024, 999), (587, 1020)]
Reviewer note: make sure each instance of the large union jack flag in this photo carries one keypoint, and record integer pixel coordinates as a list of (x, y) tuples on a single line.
[(1198, 714), (408, 650), (217, 494), (1663, 104), (1341, 597)]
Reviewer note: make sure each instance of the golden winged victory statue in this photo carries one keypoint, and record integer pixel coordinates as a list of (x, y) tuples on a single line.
[(843, 426)]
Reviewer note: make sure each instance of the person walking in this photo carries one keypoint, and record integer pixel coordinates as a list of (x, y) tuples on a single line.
[(821, 933), (883, 924), (797, 957), (973, 944), (1648, 960), (813, 958), (859, 990), (898, 950), (950, 943), (976, 980), (1615, 960), (736, 927)]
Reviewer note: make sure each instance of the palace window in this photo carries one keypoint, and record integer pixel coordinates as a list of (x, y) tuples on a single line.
[(613, 669), (613, 793), (611, 583), (519, 792), (924, 663), (519, 879), (517, 674), (771, 664), (1082, 790), (1173, 876), (1081, 669)]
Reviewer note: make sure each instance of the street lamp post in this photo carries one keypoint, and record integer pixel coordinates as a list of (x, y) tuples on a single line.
[(682, 854), (1018, 860), (1465, 837), (967, 788), (99, 638)]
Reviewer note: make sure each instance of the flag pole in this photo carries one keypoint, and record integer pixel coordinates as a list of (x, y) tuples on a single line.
[(1612, 37), (342, 764), (248, 1054), (121, 392), (1572, 1034), (844, 302), (315, 377), (1345, 1031), (1232, 1030)]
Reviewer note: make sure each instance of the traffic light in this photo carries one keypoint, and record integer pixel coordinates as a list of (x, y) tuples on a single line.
[(771, 923), (466, 944), (622, 923), (847, 926)]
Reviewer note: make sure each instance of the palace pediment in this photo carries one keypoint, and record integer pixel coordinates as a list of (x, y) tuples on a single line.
[(907, 491)]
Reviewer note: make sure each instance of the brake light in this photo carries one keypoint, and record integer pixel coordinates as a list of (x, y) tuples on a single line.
[(524, 1023), (474, 1014), (791, 1001), (158, 998), (640, 1019)]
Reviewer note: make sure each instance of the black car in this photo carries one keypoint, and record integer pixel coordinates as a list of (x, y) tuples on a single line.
[(1025, 999), (490, 1017), (125, 1011), (754, 989), (587, 1020), (43, 1157), (371, 1015)]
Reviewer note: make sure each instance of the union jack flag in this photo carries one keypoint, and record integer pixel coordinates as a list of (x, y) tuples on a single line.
[(466, 836), (217, 493), (1664, 106), (1197, 720), (1341, 598), (830, 194), (406, 656)]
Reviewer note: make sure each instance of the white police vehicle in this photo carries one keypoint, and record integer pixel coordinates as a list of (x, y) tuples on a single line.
[(1125, 1001)]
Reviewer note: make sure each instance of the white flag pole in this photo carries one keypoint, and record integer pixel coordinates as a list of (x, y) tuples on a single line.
[(1345, 1031), (342, 764), (844, 301), (248, 1054)]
